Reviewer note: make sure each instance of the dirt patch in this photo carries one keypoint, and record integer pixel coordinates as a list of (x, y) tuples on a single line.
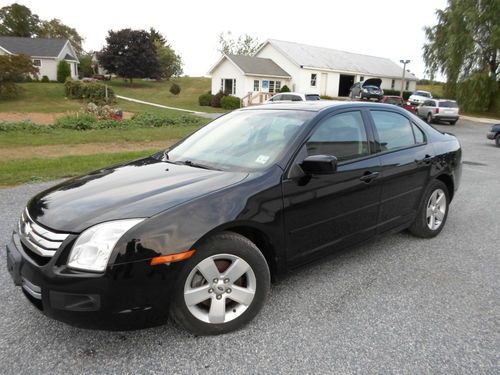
[(41, 118), (52, 151)]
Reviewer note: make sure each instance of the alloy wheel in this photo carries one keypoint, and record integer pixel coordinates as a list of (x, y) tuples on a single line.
[(436, 209), (220, 288)]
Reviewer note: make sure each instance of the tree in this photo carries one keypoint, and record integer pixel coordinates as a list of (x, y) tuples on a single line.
[(243, 45), (465, 45), (14, 69), (156, 36), (130, 54), (56, 29), (85, 68), (63, 71), (17, 20), (170, 62)]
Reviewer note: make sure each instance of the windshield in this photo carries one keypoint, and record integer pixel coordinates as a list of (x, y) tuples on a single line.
[(422, 93), (242, 140), (448, 104)]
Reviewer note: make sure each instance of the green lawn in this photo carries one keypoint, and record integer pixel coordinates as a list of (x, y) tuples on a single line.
[(37, 169), (158, 92), (65, 136), (435, 90), (40, 97)]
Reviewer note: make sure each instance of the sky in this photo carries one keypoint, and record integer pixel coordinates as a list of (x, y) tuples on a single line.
[(387, 28)]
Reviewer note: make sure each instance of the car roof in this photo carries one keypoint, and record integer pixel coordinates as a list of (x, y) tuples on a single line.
[(316, 106)]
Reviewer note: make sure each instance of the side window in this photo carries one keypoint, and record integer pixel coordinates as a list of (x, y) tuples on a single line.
[(296, 98), (419, 134), (313, 79), (342, 135), (277, 97), (394, 130), (428, 103)]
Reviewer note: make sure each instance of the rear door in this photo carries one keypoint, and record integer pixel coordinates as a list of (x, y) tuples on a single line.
[(324, 212), (406, 159)]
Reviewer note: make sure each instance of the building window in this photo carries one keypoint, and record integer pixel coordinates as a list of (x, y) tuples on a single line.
[(393, 83), (361, 79), (314, 76), (407, 85), (271, 86), (256, 85), (228, 86), (37, 62), (278, 86)]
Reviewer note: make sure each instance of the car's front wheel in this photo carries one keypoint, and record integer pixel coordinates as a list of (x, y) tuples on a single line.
[(222, 287), (432, 212), (429, 118), (497, 140)]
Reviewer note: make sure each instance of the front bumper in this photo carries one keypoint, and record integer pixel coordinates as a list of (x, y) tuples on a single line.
[(491, 135), (127, 296)]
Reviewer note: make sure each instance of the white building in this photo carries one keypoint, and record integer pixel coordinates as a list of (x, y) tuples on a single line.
[(304, 68), (45, 53)]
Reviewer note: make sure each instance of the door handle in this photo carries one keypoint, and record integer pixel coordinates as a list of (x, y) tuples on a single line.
[(369, 176), (426, 160)]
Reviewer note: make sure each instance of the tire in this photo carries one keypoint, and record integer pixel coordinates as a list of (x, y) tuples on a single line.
[(431, 217), (497, 140), (429, 118), (453, 122), (217, 312)]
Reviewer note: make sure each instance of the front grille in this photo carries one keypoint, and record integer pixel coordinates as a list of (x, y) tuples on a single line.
[(41, 241)]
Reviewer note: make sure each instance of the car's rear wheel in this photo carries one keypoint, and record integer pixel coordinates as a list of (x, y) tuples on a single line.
[(222, 287), (453, 122), (497, 140), (429, 118), (432, 212)]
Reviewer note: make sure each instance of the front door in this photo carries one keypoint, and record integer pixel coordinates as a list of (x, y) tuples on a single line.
[(324, 83), (324, 212)]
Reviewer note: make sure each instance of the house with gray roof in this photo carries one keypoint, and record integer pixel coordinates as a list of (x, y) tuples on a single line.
[(45, 53), (304, 68)]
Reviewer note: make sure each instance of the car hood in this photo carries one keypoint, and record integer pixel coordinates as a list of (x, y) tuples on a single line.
[(141, 188), (372, 82)]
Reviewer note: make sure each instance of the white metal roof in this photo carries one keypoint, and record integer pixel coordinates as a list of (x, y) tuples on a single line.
[(307, 56)]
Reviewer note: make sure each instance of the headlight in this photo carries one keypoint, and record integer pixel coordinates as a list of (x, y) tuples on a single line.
[(93, 247), (365, 90)]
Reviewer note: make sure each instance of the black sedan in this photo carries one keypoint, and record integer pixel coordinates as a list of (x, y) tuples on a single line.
[(494, 134), (197, 232)]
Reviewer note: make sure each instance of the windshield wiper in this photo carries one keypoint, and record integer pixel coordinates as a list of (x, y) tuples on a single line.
[(197, 165)]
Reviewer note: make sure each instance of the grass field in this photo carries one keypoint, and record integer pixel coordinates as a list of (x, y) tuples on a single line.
[(158, 92), (35, 169), (435, 90), (43, 155)]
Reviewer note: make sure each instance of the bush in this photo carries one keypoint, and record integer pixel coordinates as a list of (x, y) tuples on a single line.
[(217, 98), (25, 126), (28, 79), (79, 122), (477, 93), (45, 79), (230, 102), (406, 94), (175, 89), (326, 97), (63, 71), (205, 99), (285, 89), (89, 91)]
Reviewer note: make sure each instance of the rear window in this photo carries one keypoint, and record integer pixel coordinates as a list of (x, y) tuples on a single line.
[(448, 104)]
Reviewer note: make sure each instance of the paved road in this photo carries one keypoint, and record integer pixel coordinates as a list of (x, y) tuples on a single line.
[(397, 305)]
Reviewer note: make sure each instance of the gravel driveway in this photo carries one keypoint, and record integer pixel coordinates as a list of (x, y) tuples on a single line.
[(395, 305)]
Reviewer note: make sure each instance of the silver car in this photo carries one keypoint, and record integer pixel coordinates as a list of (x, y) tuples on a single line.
[(439, 110)]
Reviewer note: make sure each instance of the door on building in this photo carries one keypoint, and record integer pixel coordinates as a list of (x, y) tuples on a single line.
[(324, 83), (345, 83)]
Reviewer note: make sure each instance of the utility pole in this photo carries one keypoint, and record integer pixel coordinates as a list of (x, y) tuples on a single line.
[(404, 62)]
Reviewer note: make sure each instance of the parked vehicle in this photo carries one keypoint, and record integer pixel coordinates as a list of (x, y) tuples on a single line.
[(293, 97), (198, 230), (420, 96), (494, 133), (439, 110), (369, 89), (397, 100)]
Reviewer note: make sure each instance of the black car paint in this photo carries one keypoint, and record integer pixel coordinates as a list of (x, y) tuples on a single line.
[(279, 208), (494, 133)]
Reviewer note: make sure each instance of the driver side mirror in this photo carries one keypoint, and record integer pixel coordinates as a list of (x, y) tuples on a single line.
[(319, 164)]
